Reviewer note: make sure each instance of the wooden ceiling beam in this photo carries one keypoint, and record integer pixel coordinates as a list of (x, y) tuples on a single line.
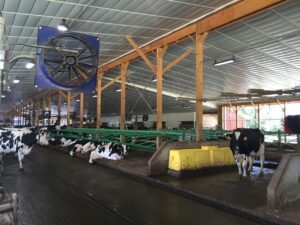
[(111, 83), (176, 61), (142, 54), (75, 95), (212, 22)]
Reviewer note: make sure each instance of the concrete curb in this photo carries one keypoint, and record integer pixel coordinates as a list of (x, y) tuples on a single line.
[(233, 209)]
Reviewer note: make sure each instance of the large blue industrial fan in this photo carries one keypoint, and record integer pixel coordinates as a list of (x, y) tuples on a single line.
[(66, 60)]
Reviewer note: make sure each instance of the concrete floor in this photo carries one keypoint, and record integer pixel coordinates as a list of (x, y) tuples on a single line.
[(57, 189), (226, 188)]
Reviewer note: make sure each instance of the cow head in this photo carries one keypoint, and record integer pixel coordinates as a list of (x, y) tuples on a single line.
[(125, 148), (234, 144), (120, 149)]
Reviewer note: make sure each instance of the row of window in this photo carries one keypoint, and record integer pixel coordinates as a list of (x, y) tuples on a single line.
[(268, 117)]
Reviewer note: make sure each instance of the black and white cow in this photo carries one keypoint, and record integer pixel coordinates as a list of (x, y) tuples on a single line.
[(110, 150), (20, 141), (247, 143), (83, 146), (45, 139)]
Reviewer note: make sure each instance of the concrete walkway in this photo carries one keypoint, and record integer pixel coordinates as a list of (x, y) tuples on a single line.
[(57, 189)]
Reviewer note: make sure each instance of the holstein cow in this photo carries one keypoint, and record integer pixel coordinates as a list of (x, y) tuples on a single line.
[(20, 141), (45, 139), (109, 151), (247, 143), (79, 145)]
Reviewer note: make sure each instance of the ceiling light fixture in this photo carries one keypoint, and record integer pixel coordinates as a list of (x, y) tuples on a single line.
[(94, 96), (224, 62), (29, 65), (118, 89), (63, 26), (16, 81), (2, 96)]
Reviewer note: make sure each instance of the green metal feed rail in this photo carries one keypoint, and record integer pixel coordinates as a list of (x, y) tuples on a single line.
[(137, 139), (142, 139)]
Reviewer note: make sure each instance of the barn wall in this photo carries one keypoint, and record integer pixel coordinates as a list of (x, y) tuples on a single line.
[(172, 120)]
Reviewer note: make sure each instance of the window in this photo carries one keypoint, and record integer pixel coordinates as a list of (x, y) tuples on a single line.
[(271, 117), (247, 117), (229, 118)]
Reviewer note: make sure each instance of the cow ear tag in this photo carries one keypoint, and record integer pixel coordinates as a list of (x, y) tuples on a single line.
[(245, 138)]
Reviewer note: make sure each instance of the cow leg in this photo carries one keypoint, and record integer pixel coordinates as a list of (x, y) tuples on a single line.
[(20, 157), (245, 162), (91, 157), (1, 163), (238, 163), (262, 157), (250, 163), (71, 153)]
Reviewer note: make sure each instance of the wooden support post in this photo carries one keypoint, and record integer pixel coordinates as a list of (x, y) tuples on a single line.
[(142, 54), (81, 109), (236, 117), (68, 108), (32, 111), (49, 109), (159, 113), (44, 104), (200, 38), (220, 117), (19, 116), (22, 115), (284, 115), (99, 92), (123, 99), (44, 109), (258, 116), (59, 109), (38, 113)]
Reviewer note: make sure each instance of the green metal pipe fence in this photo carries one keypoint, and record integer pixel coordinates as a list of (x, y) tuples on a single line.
[(146, 139)]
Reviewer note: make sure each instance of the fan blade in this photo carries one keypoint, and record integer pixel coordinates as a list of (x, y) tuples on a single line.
[(81, 51), (55, 48), (77, 74), (88, 57), (86, 64), (69, 69), (55, 71), (54, 60), (82, 72), (58, 76)]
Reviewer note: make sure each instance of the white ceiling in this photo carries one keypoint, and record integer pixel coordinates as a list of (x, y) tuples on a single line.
[(266, 46)]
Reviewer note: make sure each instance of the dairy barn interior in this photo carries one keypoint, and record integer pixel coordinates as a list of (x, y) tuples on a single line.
[(149, 112)]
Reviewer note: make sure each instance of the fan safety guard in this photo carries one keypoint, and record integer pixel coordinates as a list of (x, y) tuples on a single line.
[(66, 61)]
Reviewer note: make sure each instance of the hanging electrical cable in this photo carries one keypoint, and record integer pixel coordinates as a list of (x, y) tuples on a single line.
[(142, 96)]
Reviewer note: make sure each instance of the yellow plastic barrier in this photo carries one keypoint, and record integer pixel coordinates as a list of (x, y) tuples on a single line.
[(207, 156)]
